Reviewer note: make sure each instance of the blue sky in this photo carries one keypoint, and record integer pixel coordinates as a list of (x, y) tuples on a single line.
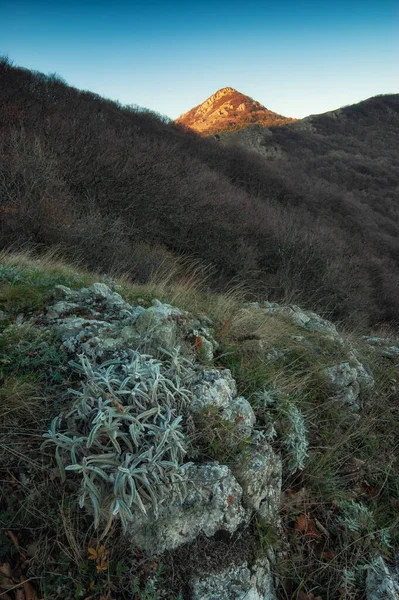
[(296, 58)]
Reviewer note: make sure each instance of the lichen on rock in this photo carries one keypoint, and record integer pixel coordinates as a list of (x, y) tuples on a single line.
[(259, 472), (382, 582), (238, 582), (212, 502)]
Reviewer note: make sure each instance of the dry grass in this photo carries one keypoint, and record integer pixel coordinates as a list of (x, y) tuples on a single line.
[(47, 264)]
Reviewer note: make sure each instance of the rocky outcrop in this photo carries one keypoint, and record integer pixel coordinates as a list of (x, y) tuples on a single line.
[(163, 342), (388, 347), (304, 319), (346, 379), (98, 322)]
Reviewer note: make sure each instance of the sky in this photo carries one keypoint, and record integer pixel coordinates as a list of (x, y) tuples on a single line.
[(295, 57)]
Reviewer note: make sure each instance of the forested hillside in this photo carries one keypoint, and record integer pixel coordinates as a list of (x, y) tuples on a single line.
[(123, 189)]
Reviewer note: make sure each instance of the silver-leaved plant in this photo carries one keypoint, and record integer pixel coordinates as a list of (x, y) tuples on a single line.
[(123, 435)]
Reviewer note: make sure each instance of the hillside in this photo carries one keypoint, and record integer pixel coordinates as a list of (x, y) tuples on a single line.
[(368, 130), (160, 442), (126, 191), (229, 110)]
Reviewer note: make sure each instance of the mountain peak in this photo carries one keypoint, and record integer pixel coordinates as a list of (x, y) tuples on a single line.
[(229, 110)]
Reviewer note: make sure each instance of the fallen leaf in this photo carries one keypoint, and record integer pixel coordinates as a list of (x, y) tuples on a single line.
[(300, 524), (198, 343), (307, 526), (92, 553), (328, 555), (5, 570), (102, 565), (119, 406), (295, 500), (13, 538), (224, 328), (15, 541), (305, 596)]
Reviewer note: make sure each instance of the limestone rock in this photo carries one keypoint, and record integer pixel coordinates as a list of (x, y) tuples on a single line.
[(341, 375), (347, 381), (238, 582), (240, 413), (382, 582), (259, 472), (211, 502), (390, 347), (304, 319), (217, 389), (158, 325)]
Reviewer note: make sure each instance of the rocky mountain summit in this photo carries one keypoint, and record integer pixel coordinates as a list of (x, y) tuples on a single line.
[(229, 110)]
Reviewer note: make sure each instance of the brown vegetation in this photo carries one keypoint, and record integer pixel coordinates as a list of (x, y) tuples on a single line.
[(107, 182)]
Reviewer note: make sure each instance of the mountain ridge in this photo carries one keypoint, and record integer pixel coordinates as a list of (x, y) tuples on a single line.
[(229, 110)]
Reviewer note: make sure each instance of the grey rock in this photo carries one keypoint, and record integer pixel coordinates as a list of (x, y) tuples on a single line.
[(259, 472), (218, 390), (341, 375), (215, 388), (390, 349), (240, 412), (382, 582), (347, 381), (343, 381), (80, 328), (237, 582), (304, 319), (211, 502), (62, 309), (61, 292), (320, 325), (158, 325), (365, 376), (96, 300), (375, 341)]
